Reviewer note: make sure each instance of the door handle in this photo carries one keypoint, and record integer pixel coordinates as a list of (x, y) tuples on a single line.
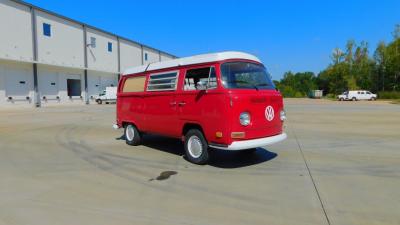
[(172, 103), (182, 103)]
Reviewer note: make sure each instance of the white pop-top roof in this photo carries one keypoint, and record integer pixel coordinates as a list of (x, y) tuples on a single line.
[(197, 59)]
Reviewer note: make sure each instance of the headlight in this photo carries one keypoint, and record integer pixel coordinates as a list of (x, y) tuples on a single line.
[(283, 115), (244, 118)]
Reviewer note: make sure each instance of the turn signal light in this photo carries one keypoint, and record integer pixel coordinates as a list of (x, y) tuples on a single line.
[(238, 134), (218, 134)]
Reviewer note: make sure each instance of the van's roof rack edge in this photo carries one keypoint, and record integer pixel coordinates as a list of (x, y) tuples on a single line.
[(197, 59)]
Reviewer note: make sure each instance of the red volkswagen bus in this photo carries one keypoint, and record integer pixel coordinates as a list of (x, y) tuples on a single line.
[(215, 101)]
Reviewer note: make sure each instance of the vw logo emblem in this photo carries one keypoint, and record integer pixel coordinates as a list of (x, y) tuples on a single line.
[(269, 113)]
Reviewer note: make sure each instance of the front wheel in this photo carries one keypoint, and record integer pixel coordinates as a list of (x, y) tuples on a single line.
[(341, 99), (196, 147), (132, 135), (99, 101), (373, 99)]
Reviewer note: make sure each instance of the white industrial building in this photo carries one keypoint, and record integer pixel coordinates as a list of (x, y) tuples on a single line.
[(47, 58)]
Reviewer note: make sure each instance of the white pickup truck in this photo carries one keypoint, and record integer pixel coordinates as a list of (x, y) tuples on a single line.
[(109, 95), (357, 95)]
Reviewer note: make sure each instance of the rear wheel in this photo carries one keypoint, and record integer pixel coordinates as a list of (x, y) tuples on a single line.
[(132, 135), (354, 99), (99, 101), (196, 147)]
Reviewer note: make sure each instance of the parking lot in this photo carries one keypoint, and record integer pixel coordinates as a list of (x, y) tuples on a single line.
[(65, 165)]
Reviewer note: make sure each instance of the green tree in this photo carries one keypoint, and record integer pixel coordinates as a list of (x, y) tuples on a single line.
[(351, 70), (392, 66), (349, 52), (297, 85), (380, 62), (396, 32), (337, 56)]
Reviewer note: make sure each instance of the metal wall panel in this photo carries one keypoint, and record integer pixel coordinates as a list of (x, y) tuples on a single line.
[(16, 81), (131, 55), (16, 32), (2, 85), (64, 47), (152, 56), (94, 83), (99, 58), (61, 55), (51, 74), (98, 81), (165, 57), (48, 85)]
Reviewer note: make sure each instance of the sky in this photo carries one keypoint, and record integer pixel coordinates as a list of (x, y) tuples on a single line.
[(287, 35)]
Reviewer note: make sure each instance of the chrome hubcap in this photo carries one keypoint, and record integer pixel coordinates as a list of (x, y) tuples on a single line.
[(130, 133), (195, 147)]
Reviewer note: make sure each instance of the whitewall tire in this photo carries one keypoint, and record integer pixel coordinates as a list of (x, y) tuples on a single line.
[(196, 147), (132, 135)]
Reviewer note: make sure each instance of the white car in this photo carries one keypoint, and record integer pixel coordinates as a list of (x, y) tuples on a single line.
[(108, 95), (357, 95)]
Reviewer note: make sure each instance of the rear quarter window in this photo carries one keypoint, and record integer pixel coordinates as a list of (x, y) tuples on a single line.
[(134, 84)]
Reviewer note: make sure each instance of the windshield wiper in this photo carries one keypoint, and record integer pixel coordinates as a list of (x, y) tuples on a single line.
[(263, 85), (243, 82)]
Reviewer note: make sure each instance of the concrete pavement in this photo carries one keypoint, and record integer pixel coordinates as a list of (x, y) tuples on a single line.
[(65, 165)]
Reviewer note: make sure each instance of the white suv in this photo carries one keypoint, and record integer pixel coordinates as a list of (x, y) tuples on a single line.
[(357, 95)]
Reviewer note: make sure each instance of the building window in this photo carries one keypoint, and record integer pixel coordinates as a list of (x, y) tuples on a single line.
[(162, 81), (93, 42), (109, 46), (47, 29), (146, 57)]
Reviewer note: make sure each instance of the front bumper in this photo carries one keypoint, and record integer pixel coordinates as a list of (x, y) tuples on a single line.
[(254, 143)]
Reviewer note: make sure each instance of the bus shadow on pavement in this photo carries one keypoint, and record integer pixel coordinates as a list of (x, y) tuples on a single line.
[(237, 159), (219, 158)]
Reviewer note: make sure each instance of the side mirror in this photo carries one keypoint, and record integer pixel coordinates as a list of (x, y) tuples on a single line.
[(201, 85)]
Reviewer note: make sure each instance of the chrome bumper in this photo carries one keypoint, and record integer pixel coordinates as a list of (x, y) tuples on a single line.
[(254, 143)]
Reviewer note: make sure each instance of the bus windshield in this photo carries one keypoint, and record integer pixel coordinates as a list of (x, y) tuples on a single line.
[(245, 75)]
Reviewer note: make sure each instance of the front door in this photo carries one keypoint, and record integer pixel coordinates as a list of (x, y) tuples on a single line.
[(363, 95), (199, 106), (160, 104)]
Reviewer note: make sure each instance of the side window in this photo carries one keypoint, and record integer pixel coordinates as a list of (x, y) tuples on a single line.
[(163, 81), (205, 75), (358, 92), (134, 84)]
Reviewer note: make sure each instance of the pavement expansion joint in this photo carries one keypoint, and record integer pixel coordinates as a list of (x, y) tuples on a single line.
[(311, 176)]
